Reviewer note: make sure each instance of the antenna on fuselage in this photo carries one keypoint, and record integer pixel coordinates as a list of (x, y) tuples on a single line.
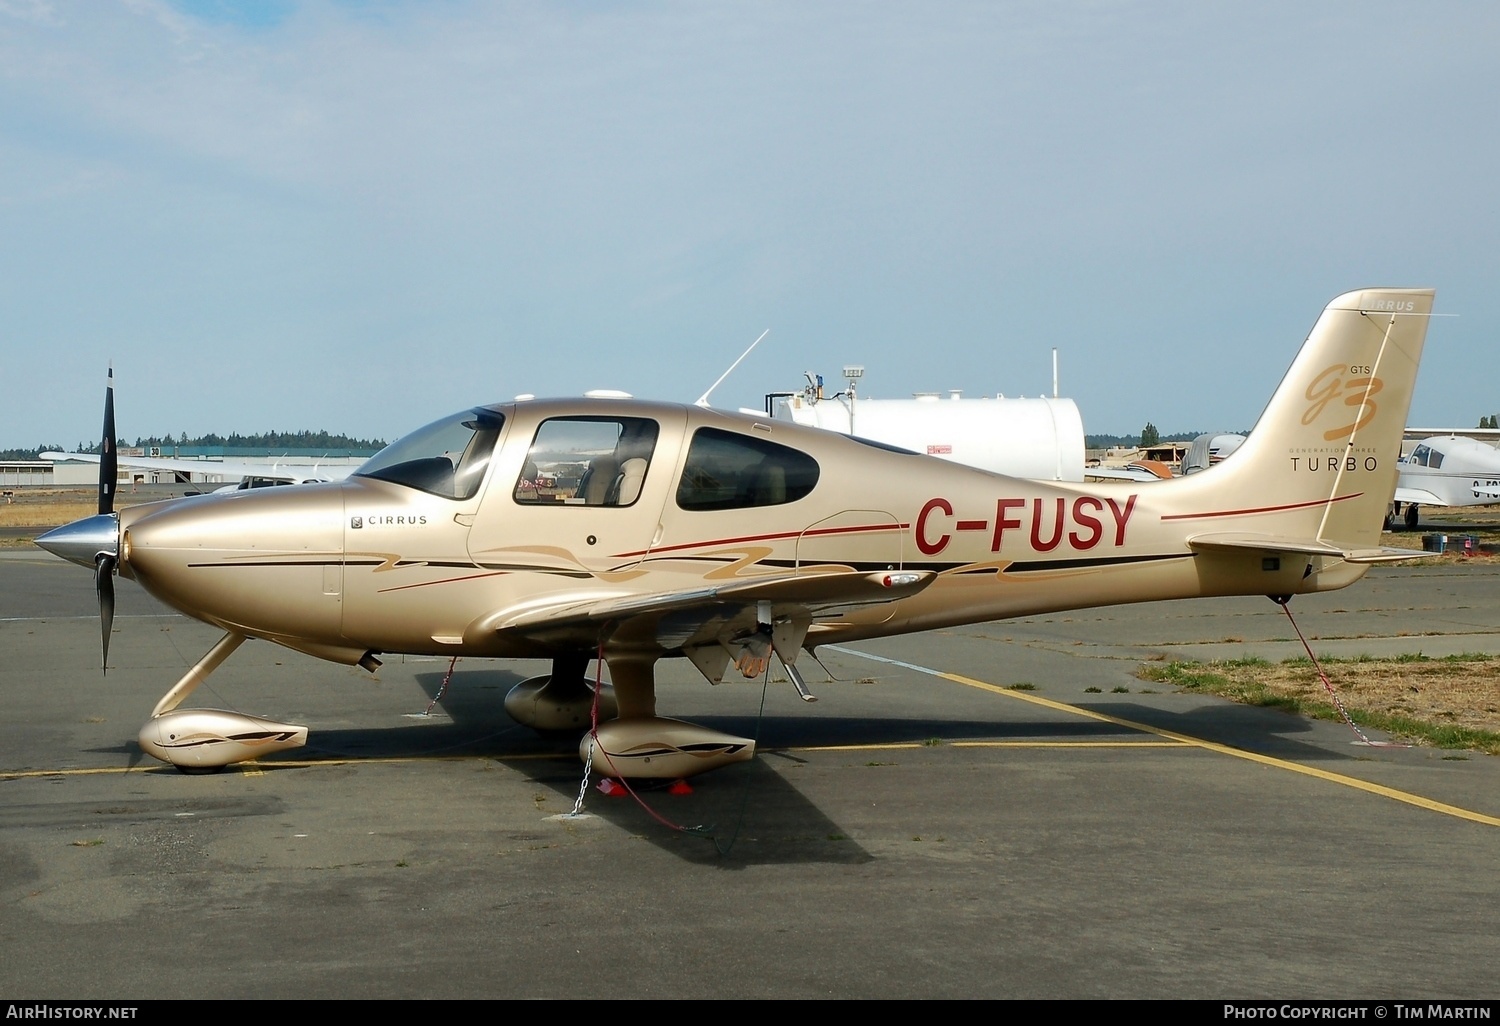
[(703, 399)]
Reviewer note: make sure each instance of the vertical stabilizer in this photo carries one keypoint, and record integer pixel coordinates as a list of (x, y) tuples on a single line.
[(1320, 465)]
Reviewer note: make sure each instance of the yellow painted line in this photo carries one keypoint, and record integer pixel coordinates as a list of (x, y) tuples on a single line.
[(256, 769), (1212, 746), (1065, 744), (908, 745), (357, 760), (894, 746), (25, 774)]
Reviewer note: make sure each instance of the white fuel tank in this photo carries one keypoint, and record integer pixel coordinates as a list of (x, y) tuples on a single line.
[(1041, 438)]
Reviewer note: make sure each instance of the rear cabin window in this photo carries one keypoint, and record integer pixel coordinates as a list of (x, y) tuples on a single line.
[(587, 461), (729, 471)]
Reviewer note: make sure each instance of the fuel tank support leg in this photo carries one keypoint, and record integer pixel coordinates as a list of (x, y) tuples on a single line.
[(635, 686), (199, 673)]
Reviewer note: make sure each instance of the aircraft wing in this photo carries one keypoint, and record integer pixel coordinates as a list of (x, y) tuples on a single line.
[(1418, 496), (704, 615), (229, 470), (1270, 543)]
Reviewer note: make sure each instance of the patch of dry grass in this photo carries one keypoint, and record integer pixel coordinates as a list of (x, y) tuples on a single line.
[(1451, 702), (46, 509)]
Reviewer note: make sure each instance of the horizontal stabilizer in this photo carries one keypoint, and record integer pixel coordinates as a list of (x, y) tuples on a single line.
[(1270, 543), (1383, 555)]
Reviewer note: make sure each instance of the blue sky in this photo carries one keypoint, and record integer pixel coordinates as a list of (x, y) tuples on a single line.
[(362, 216)]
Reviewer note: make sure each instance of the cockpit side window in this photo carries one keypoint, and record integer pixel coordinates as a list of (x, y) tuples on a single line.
[(1420, 455), (447, 458), (725, 470), (588, 461)]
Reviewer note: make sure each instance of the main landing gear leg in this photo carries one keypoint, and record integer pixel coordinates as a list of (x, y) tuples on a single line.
[(207, 740), (641, 744)]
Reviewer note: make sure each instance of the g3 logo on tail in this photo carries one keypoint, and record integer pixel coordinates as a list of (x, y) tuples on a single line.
[(1355, 385)]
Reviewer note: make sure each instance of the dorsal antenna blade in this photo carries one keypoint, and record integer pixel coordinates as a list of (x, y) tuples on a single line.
[(703, 399)]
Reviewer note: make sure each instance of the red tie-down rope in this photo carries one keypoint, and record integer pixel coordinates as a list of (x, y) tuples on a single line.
[(705, 830), (1284, 601), (596, 746)]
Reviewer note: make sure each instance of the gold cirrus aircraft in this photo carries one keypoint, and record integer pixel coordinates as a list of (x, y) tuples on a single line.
[(630, 531)]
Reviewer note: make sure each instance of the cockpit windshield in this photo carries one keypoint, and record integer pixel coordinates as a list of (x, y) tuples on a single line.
[(446, 458), (1425, 456)]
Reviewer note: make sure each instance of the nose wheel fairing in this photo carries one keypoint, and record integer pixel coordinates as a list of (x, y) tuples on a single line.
[(206, 739), (213, 738)]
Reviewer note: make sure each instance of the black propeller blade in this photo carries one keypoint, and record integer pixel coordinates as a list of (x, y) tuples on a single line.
[(109, 459), (104, 586), (104, 563)]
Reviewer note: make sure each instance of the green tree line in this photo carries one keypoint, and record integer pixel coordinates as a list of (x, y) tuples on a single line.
[(1151, 437), (270, 442)]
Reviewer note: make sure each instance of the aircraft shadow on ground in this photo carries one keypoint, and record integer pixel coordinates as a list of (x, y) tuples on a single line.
[(779, 824), (1257, 729), (739, 815), (746, 814)]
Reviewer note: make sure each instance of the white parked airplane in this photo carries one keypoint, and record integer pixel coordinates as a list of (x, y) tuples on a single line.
[(1446, 471), (245, 475)]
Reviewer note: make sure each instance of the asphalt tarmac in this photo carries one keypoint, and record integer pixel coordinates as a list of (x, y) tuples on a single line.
[(908, 836)]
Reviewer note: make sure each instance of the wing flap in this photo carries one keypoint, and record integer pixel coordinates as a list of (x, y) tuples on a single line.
[(805, 594)]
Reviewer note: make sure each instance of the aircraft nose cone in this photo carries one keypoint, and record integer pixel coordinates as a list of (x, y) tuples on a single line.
[(83, 540)]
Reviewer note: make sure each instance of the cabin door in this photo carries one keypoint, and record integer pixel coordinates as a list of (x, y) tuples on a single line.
[(581, 494)]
